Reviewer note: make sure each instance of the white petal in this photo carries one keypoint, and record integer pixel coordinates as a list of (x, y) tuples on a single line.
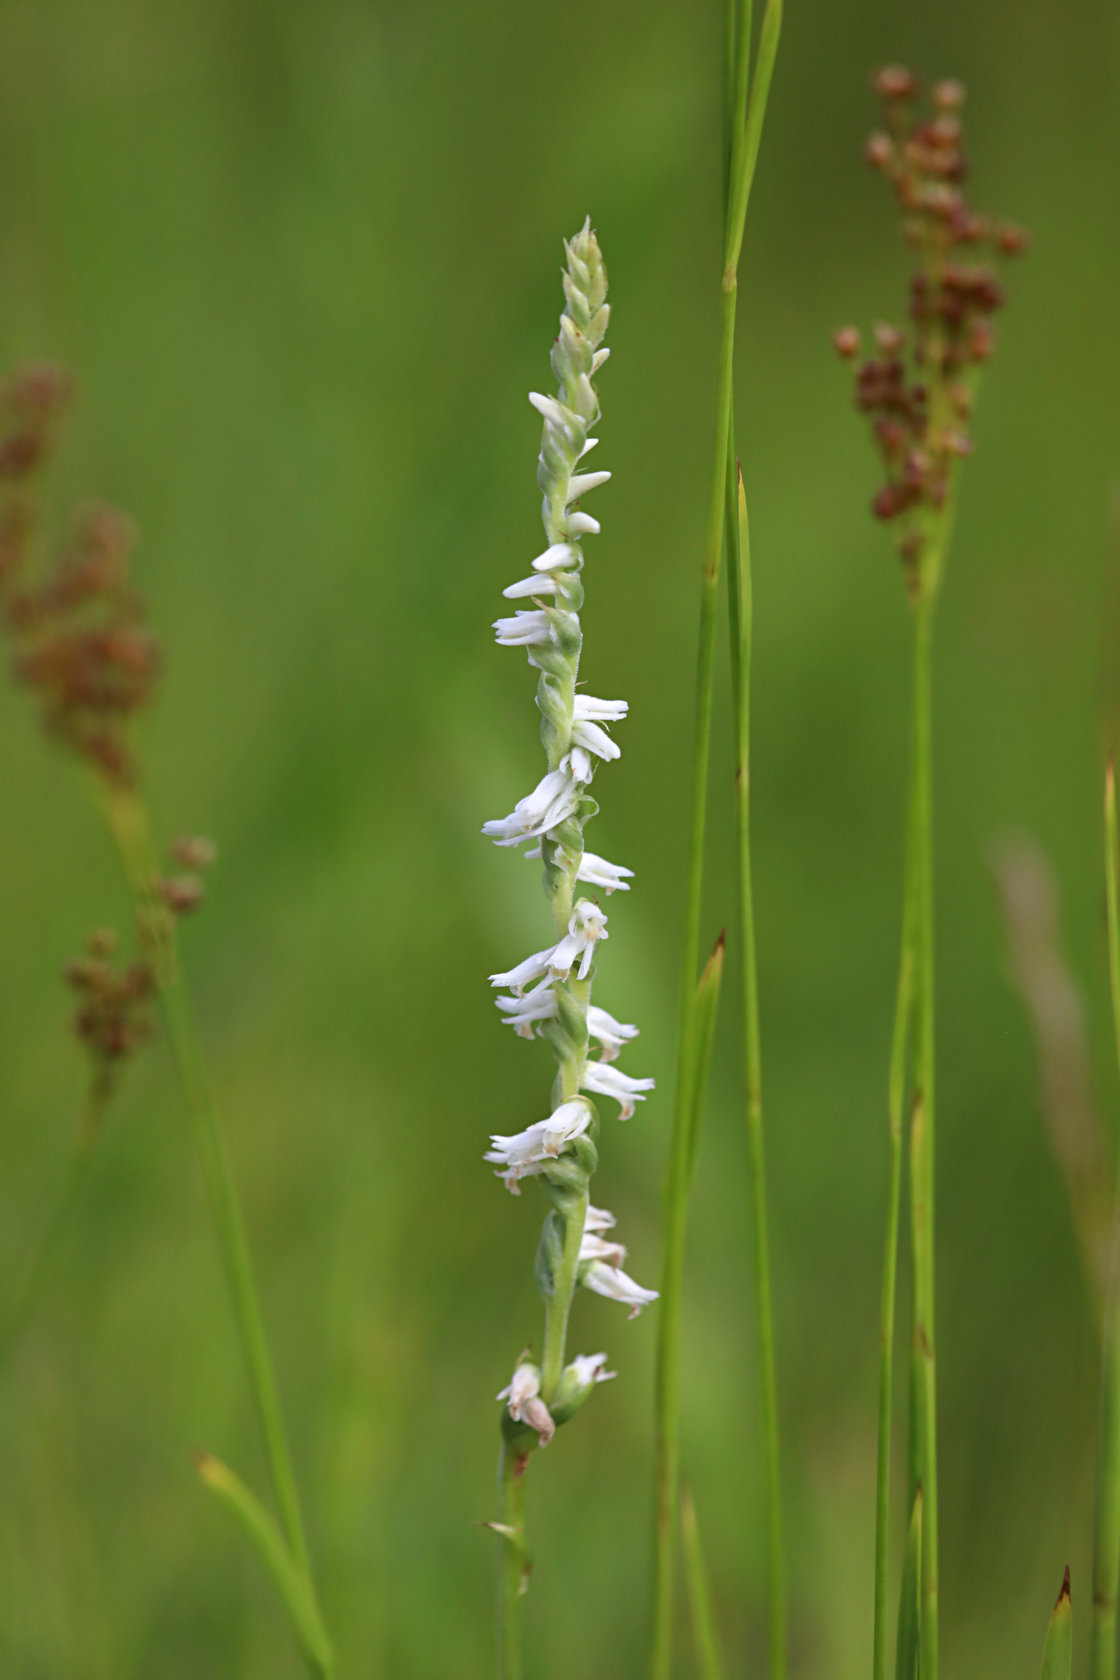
[(515, 979), (589, 708), (523, 629), (616, 1286), (581, 483), (582, 525), (531, 586), (597, 872), (590, 444), (595, 738), (555, 558), (581, 766)]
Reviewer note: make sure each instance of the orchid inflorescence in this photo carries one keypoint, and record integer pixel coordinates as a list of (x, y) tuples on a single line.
[(548, 995)]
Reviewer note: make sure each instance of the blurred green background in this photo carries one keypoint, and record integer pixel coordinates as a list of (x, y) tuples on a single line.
[(304, 260)]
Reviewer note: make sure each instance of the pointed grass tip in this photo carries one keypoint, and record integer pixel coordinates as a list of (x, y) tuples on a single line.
[(1064, 1595)]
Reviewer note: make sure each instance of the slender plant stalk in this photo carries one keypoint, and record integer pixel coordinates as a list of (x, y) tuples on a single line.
[(744, 132), (1106, 1540), (129, 825), (896, 1100), (922, 1138), (513, 1572), (705, 1635), (741, 621)]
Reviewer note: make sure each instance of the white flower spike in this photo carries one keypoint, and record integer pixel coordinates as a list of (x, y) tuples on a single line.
[(549, 993)]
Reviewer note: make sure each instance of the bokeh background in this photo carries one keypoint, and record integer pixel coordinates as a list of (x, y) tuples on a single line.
[(304, 261)]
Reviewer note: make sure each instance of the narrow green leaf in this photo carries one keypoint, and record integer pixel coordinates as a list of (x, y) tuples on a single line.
[(292, 1586), (1057, 1664), (703, 1037), (709, 1662), (910, 1599)]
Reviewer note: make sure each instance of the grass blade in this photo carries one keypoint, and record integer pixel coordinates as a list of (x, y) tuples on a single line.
[(291, 1583), (1106, 1537), (709, 1663), (706, 1008), (1057, 1664), (910, 1599)]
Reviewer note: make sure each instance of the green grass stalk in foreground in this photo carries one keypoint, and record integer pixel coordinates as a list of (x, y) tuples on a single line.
[(920, 415), (82, 647), (548, 995), (705, 1634), (747, 100), (1106, 1538), (1057, 1661), (740, 623)]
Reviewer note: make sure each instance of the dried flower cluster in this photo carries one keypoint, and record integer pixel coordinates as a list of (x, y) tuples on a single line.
[(114, 1005), (918, 389), (79, 634)]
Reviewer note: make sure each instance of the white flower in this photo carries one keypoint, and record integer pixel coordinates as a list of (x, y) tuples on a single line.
[(556, 557), (523, 629), (525, 1403), (586, 926), (597, 872), (551, 802), (522, 1012), (612, 1282), (612, 1082), (537, 585), (589, 1368), (593, 1247), (589, 709), (526, 972), (554, 411), (589, 445), (612, 1034), (581, 483), (578, 764), (522, 1154), (582, 525), (598, 1219), (595, 739), (522, 1387)]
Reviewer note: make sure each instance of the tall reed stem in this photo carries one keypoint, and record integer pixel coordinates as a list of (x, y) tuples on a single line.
[(129, 825), (923, 1370), (1106, 1539), (741, 615), (744, 132)]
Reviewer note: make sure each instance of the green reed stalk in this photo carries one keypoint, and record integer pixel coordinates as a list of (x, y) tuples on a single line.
[(129, 825), (924, 1378), (741, 621), (896, 1097), (705, 1636), (1106, 1539), (744, 129)]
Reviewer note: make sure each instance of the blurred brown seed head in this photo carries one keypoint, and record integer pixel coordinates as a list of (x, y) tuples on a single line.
[(917, 394)]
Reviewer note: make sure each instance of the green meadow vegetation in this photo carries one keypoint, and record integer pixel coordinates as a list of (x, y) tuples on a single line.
[(303, 265)]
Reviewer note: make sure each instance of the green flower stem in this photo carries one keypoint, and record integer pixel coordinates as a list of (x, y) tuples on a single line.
[(740, 620), (129, 825), (559, 1307), (744, 131), (514, 1570), (923, 1366), (1106, 1539), (896, 1100)]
